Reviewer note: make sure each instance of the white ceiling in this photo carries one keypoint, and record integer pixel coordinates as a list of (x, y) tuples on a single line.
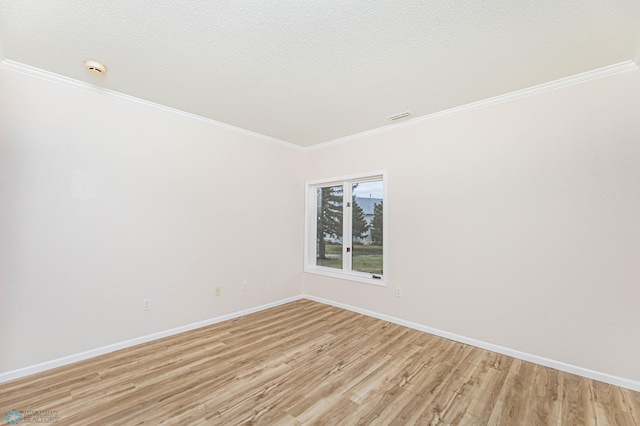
[(308, 72)]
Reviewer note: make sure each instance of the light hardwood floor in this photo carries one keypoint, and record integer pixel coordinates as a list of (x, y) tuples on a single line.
[(309, 363)]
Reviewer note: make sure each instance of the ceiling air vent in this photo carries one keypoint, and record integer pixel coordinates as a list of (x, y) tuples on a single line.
[(400, 116)]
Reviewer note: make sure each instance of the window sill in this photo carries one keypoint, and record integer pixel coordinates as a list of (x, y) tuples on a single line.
[(353, 276)]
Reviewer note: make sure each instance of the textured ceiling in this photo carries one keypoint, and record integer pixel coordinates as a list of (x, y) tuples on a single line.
[(308, 72)]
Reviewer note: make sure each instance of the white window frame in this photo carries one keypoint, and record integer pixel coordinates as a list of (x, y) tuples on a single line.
[(311, 203)]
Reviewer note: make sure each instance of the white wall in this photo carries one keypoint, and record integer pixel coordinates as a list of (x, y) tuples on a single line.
[(517, 225), (104, 202)]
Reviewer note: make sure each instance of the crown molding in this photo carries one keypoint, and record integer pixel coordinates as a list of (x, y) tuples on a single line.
[(631, 65), (518, 94), (76, 84)]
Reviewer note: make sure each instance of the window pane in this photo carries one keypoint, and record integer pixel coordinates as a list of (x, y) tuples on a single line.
[(366, 224), (329, 227)]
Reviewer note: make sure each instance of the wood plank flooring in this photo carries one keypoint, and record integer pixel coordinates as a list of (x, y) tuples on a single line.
[(308, 363)]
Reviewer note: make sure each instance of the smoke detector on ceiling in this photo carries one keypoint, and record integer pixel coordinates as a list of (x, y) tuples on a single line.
[(400, 116), (95, 67)]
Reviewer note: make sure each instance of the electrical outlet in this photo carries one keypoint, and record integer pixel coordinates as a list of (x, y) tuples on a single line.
[(244, 286), (146, 304), (218, 291), (398, 292)]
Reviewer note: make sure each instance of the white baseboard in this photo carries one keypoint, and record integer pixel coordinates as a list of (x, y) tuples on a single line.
[(558, 365), (47, 365), (580, 371)]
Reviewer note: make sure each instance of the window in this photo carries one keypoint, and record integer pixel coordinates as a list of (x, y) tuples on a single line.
[(345, 232)]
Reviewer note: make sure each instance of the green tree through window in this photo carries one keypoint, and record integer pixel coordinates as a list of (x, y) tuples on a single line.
[(329, 217), (376, 224)]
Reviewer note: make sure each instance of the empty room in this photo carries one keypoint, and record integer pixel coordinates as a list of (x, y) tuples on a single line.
[(337, 213)]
